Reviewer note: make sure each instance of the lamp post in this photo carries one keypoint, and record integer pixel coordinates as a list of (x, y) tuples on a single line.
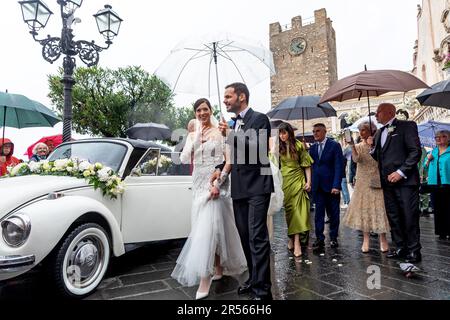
[(36, 14)]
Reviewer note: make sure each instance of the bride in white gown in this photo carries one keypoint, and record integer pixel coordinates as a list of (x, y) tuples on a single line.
[(213, 248)]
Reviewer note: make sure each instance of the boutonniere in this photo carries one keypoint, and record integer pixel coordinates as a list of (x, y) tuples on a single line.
[(391, 129)]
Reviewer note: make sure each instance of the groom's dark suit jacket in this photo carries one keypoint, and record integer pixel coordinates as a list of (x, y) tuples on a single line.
[(250, 173), (401, 152)]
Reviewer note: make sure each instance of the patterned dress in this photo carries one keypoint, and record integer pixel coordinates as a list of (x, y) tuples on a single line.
[(366, 211)]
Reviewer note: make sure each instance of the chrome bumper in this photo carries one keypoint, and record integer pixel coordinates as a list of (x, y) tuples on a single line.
[(15, 263)]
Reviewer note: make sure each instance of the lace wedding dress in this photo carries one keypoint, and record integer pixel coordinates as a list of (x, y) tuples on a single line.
[(213, 229)]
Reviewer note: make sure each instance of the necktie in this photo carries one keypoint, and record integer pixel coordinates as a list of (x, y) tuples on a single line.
[(320, 150)]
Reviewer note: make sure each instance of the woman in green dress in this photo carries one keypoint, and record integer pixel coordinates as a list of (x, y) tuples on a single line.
[(295, 164)]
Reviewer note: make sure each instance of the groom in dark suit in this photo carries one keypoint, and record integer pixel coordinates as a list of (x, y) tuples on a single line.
[(397, 150), (251, 186)]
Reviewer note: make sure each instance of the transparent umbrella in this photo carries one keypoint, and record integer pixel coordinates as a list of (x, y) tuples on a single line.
[(202, 65)]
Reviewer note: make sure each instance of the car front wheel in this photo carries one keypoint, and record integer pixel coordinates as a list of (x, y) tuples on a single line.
[(81, 261)]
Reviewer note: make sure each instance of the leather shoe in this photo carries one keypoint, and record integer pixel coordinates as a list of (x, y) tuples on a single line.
[(399, 253), (413, 257), (334, 243), (244, 289)]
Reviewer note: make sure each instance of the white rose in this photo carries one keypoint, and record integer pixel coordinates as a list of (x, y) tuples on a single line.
[(103, 174), (87, 173), (35, 166), (98, 166), (61, 164), (84, 166)]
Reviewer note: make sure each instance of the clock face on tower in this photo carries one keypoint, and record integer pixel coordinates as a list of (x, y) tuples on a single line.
[(297, 46)]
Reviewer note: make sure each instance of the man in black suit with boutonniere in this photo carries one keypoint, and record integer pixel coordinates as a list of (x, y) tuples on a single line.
[(396, 147), (251, 186)]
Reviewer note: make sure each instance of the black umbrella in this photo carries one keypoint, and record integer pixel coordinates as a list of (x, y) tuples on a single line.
[(149, 131), (302, 107), (437, 96)]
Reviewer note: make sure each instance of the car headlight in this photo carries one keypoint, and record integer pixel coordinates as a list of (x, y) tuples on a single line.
[(16, 229)]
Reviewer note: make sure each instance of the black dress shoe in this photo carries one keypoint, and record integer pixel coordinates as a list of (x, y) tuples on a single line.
[(400, 253), (413, 257), (334, 243), (244, 289), (319, 244)]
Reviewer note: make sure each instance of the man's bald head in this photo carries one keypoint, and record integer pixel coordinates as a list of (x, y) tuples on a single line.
[(385, 113)]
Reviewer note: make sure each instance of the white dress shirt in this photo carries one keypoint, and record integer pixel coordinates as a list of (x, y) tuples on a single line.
[(240, 122), (384, 135)]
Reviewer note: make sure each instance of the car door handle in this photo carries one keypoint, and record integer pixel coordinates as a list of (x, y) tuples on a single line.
[(190, 188)]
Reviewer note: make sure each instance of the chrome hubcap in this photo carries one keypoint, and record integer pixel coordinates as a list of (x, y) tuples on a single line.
[(85, 262), (87, 259)]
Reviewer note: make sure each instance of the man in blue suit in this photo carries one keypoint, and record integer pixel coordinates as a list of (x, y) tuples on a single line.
[(326, 185)]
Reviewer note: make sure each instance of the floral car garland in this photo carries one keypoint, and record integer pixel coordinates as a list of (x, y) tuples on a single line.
[(163, 164), (97, 175)]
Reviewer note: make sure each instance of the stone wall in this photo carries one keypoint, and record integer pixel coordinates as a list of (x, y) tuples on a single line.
[(311, 72)]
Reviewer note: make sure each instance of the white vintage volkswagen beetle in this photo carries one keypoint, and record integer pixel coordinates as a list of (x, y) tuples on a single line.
[(74, 229)]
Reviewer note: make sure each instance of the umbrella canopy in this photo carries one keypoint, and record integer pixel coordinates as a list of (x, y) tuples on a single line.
[(149, 131), (354, 126), (51, 141), (427, 132), (372, 83), (18, 111), (202, 65), (274, 124), (437, 96), (302, 107)]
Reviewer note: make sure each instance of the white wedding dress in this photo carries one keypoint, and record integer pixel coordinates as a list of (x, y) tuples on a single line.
[(213, 229)]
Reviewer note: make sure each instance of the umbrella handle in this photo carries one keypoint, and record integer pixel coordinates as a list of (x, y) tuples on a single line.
[(4, 125), (217, 79)]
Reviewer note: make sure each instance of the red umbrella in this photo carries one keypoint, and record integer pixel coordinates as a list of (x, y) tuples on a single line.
[(52, 142)]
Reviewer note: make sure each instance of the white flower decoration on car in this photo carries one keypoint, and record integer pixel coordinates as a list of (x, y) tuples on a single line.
[(98, 175)]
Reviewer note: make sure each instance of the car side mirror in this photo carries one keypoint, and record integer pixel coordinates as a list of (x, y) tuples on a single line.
[(136, 172)]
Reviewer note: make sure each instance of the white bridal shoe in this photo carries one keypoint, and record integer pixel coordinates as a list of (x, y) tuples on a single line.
[(202, 295)]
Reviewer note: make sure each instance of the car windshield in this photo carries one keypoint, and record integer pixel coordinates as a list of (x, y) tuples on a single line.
[(107, 153)]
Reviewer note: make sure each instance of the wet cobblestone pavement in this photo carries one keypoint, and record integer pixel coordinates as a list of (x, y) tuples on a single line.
[(337, 274)]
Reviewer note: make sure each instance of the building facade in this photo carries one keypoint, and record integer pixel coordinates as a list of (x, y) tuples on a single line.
[(304, 56), (432, 51)]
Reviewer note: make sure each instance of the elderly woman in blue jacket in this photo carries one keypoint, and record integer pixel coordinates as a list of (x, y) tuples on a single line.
[(438, 165)]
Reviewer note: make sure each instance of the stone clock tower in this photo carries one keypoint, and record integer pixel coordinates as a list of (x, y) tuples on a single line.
[(304, 57)]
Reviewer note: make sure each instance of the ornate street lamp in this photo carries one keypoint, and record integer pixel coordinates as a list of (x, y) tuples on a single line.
[(36, 14)]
